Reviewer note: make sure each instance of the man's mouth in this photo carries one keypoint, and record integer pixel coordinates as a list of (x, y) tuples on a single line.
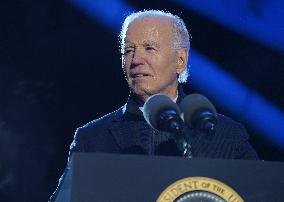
[(139, 75)]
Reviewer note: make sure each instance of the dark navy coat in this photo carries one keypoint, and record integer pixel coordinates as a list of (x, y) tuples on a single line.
[(126, 131)]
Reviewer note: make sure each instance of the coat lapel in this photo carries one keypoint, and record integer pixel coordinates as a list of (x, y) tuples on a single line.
[(126, 134), (126, 127)]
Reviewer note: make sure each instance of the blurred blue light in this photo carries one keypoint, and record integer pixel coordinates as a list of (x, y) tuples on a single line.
[(260, 20), (237, 98), (108, 12), (217, 84)]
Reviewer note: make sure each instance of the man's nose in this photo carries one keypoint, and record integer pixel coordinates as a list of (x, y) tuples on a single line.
[(138, 58)]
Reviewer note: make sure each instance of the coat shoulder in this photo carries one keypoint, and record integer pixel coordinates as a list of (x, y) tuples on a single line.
[(232, 129), (104, 121), (95, 132)]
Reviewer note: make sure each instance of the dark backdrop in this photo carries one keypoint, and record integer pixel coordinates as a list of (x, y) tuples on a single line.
[(60, 69)]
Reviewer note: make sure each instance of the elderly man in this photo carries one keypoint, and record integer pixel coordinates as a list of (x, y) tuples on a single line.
[(155, 47)]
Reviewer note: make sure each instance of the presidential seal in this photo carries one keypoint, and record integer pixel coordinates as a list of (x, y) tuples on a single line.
[(196, 189)]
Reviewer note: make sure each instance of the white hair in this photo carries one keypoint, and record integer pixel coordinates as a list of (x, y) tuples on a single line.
[(181, 37)]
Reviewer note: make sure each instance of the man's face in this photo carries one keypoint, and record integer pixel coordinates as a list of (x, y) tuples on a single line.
[(149, 61)]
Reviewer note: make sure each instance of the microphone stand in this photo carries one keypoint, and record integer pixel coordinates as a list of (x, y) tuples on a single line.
[(181, 141), (170, 121)]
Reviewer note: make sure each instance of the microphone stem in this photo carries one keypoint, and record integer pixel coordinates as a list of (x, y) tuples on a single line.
[(183, 144)]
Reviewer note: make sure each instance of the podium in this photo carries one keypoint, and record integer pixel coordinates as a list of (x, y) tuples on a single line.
[(92, 177)]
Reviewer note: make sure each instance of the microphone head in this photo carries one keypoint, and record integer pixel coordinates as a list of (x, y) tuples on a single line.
[(195, 107), (155, 106)]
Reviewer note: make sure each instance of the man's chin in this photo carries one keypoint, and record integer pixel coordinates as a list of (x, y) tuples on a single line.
[(143, 93)]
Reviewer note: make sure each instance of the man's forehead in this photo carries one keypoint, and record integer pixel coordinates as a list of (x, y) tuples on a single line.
[(151, 42), (150, 26), (152, 21)]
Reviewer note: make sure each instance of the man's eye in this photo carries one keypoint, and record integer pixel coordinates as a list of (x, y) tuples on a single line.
[(128, 51), (148, 48)]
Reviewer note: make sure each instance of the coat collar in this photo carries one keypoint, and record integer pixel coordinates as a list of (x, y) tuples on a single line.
[(129, 123), (131, 108)]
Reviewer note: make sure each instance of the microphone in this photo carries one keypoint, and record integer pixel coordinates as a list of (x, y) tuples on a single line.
[(199, 113), (161, 113)]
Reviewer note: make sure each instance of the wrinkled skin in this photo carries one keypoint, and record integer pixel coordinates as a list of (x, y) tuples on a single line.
[(150, 63)]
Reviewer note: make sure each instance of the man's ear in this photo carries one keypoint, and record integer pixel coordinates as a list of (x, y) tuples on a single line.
[(182, 60)]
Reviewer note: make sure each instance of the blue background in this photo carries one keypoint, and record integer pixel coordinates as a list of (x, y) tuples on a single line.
[(60, 68)]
